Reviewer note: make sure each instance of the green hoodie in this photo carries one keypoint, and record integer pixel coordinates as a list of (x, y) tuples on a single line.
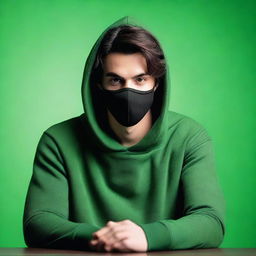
[(83, 177)]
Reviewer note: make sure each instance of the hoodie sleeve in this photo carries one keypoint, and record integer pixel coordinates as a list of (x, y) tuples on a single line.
[(203, 222), (45, 218)]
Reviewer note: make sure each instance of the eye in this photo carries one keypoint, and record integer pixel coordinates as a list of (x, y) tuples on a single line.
[(141, 79), (114, 80)]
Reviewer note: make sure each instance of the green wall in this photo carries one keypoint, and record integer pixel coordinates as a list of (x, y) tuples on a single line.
[(210, 46)]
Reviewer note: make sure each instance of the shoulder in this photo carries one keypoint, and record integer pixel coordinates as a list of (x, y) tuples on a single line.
[(66, 131), (187, 127), (64, 126), (190, 133)]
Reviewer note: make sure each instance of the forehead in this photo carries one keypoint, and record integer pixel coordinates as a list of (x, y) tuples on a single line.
[(125, 64)]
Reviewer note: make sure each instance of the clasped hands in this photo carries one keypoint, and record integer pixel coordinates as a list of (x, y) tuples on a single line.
[(123, 236)]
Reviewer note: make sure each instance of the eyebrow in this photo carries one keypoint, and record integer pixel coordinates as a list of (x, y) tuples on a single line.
[(114, 74)]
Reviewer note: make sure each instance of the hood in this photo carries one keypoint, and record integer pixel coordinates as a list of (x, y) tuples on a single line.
[(95, 118)]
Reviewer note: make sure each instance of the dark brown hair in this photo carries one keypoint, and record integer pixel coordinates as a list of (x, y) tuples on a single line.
[(130, 39)]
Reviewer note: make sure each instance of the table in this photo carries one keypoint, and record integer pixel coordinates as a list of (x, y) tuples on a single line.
[(202, 252)]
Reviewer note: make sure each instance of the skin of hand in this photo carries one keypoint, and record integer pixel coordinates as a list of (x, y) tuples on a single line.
[(123, 236)]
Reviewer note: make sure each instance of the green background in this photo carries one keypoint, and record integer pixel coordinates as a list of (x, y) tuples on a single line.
[(210, 46)]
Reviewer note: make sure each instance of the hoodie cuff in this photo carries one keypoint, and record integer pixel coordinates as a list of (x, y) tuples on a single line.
[(157, 234), (83, 234)]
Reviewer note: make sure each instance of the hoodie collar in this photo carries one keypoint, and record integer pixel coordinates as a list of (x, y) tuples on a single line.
[(97, 128)]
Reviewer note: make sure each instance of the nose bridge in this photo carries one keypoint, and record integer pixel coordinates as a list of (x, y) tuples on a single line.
[(129, 83)]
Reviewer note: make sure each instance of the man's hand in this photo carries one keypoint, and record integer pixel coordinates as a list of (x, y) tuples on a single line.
[(123, 236)]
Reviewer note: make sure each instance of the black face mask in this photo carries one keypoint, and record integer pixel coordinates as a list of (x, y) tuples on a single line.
[(128, 105)]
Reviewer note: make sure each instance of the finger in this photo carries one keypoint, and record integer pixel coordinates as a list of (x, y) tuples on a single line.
[(108, 230), (111, 242), (109, 237), (112, 237), (98, 245), (107, 240), (111, 231), (100, 232), (93, 242), (95, 246), (120, 246), (104, 229), (91, 246)]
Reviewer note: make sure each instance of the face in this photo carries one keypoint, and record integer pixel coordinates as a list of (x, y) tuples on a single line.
[(126, 71)]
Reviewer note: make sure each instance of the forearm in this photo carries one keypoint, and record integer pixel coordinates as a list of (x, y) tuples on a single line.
[(49, 230), (198, 230)]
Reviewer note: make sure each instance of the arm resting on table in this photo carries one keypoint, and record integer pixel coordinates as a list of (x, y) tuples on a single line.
[(202, 225), (45, 218)]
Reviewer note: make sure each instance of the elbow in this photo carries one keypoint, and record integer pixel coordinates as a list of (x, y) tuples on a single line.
[(212, 241), (215, 242), (30, 240), (217, 239), (220, 232), (32, 235), (216, 234)]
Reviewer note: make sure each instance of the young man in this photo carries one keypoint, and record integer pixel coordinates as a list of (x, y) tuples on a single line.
[(128, 174)]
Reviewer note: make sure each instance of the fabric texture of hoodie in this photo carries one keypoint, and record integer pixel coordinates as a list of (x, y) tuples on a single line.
[(83, 177)]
